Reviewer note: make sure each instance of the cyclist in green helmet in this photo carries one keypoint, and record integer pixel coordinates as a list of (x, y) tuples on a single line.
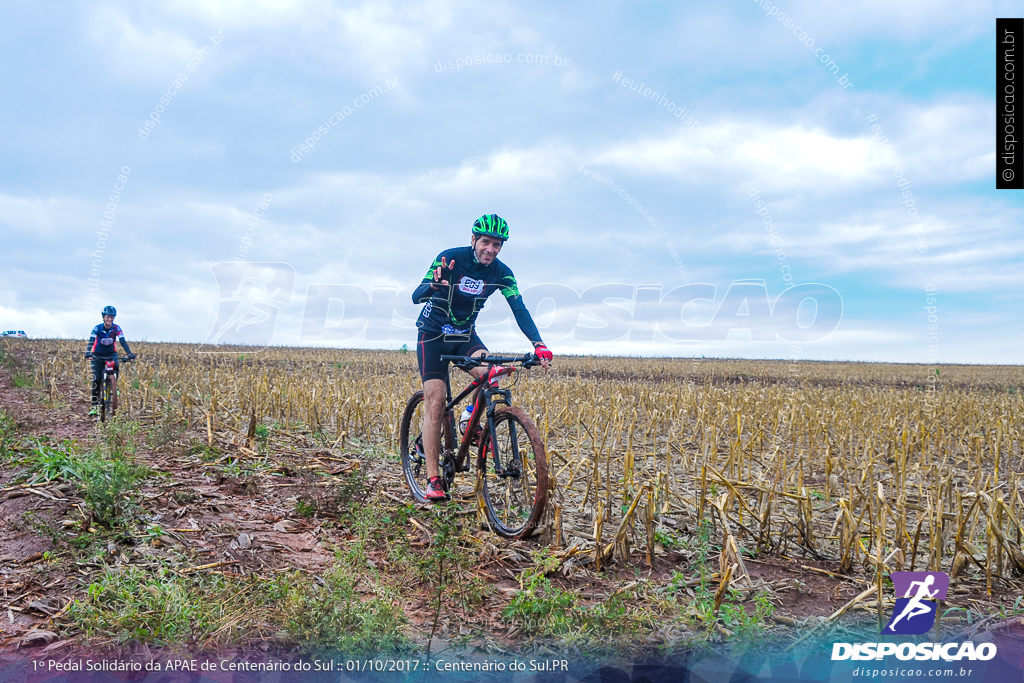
[(454, 291)]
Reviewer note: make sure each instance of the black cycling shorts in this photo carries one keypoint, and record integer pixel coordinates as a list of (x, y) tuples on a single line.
[(431, 346)]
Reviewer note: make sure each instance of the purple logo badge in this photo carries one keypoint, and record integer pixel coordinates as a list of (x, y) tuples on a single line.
[(916, 596)]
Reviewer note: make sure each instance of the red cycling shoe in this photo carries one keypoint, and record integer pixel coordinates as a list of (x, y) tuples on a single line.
[(435, 492)]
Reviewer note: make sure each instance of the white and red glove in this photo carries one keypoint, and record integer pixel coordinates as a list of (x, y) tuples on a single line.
[(542, 352)]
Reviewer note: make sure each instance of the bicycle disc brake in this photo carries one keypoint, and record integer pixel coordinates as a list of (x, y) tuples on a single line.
[(419, 459), (447, 469)]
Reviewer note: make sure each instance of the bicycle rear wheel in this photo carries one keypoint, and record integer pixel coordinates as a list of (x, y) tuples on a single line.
[(515, 498), (414, 459)]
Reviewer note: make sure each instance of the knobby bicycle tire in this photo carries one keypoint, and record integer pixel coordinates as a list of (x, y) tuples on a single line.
[(105, 400), (414, 465), (514, 505)]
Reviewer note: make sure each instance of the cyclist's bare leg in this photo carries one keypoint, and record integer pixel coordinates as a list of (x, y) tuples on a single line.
[(435, 395)]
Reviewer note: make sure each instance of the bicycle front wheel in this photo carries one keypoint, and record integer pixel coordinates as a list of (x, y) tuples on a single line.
[(515, 496), (105, 400), (414, 459)]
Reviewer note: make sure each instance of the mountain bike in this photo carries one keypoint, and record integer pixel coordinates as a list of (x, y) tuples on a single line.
[(108, 387), (510, 452)]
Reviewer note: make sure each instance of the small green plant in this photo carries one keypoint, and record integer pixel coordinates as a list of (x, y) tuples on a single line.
[(206, 452), (122, 435), (50, 463), (541, 608), (8, 428), (22, 380), (748, 625), (700, 547), (168, 430), (262, 434), (232, 468), (109, 485), (667, 539), (304, 508)]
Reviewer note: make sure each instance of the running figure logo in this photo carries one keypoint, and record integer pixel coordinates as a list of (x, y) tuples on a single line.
[(251, 296), (916, 596)]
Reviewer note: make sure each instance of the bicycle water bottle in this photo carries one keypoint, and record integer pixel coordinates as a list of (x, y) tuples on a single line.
[(464, 418)]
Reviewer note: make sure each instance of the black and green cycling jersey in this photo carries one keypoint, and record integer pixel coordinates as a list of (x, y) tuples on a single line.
[(453, 309)]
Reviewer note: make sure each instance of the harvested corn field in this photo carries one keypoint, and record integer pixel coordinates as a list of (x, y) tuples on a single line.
[(689, 499)]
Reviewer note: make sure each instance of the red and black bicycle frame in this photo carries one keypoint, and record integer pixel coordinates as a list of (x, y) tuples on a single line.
[(489, 395)]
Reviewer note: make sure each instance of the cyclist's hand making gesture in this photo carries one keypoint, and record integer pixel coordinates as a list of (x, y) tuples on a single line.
[(543, 354), (439, 272)]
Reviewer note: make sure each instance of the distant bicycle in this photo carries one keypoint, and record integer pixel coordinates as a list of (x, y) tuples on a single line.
[(108, 386), (510, 456)]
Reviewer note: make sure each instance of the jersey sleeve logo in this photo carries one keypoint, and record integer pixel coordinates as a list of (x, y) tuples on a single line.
[(468, 285)]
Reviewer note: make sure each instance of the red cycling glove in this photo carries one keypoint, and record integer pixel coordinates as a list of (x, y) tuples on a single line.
[(543, 352)]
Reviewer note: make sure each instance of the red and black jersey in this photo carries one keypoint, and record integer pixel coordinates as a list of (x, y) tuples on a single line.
[(102, 341)]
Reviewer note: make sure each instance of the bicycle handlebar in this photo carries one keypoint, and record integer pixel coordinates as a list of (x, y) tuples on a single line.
[(528, 360), (120, 359)]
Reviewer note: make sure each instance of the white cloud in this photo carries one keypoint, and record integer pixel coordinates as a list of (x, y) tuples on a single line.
[(136, 52)]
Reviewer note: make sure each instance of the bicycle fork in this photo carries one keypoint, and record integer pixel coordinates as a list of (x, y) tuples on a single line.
[(490, 406)]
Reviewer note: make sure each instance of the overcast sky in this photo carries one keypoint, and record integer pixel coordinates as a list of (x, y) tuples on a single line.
[(261, 77)]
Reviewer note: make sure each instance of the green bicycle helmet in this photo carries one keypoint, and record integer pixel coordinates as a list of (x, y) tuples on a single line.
[(491, 225)]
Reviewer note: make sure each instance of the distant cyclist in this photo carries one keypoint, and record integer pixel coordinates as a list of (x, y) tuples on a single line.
[(102, 347), (454, 291)]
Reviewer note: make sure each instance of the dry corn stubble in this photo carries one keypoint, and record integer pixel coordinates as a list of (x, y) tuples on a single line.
[(839, 461)]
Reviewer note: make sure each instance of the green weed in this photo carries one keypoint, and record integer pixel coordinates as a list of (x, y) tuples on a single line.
[(335, 616), (49, 463), (206, 452), (164, 608), (667, 539), (109, 484), (122, 435), (8, 429), (541, 608)]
